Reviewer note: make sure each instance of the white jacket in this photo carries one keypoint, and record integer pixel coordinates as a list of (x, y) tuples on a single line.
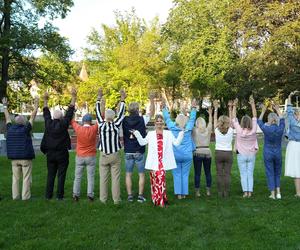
[(169, 140)]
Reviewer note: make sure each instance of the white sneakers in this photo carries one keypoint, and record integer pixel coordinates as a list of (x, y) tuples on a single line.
[(278, 196)]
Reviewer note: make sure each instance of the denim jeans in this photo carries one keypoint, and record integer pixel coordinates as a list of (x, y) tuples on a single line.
[(246, 165), (206, 160), (137, 159)]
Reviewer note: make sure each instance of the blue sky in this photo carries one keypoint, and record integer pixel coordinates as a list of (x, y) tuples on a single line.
[(88, 14)]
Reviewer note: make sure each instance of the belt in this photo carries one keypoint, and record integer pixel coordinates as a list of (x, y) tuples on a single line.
[(202, 147)]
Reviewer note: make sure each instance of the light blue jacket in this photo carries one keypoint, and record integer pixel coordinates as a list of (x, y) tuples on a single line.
[(185, 150), (294, 125)]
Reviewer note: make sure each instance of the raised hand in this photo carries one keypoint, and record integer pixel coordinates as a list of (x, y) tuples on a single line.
[(46, 96), (230, 103), (151, 95), (123, 94), (74, 92), (235, 102), (163, 102), (194, 103), (251, 100), (216, 104), (209, 110), (36, 102), (4, 101), (100, 93)]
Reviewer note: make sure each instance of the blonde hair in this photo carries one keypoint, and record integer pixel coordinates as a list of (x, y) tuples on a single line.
[(200, 125), (181, 120), (246, 122), (158, 116), (223, 124)]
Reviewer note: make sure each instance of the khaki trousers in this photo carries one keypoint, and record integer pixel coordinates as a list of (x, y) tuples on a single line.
[(110, 163), (20, 167)]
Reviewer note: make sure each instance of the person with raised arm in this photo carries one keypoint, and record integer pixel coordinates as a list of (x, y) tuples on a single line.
[(246, 146), (55, 144), (223, 152), (184, 152), (273, 131), (110, 158), (134, 152), (292, 157), (202, 154), (85, 155), (160, 158), (20, 150)]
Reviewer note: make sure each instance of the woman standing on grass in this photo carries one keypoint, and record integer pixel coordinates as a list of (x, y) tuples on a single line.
[(223, 152), (273, 133), (292, 159), (246, 146), (202, 154), (160, 158), (183, 153)]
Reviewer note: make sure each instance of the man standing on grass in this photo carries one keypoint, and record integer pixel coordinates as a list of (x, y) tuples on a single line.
[(134, 153), (85, 155), (20, 150), (110, 159), (55, 144)]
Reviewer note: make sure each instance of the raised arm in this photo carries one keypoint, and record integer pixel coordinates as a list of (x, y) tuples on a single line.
[(191, 122), (263, 111), (253, 107), (235, 102), (121, 113), (209, 125), (6, 113), (216, 106), (152, 106), (46, 111), (278, 111), (35, 110), (230, 103), (100, 119), (166, 114), (70, 112)]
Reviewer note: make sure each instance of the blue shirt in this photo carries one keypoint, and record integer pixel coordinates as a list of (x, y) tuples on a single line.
[(273, 133), (187, 146), (294, 125)]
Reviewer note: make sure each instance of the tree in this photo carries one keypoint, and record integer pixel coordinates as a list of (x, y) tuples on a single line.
[(21, 36)]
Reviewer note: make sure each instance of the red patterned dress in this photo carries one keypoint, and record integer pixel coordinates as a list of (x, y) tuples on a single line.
[(158, 178)]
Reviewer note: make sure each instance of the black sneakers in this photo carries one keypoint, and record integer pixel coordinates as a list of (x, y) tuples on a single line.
[(141, 199)]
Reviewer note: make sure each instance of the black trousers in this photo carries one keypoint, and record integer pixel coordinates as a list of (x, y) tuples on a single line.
[(57, 164)]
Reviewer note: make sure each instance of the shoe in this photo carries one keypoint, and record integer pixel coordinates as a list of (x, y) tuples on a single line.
[(60, 199), (117, 202), (90, 198), (245, 195), (297, 195), (130, 198), (272, 197), (197, 192), (141, 198), (208, 192), (278, 196), (179, 197), (75, 198)]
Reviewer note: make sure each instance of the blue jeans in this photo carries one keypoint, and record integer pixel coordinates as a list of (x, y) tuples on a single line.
[(135, 158), (273, 165), (246, 165), (198, 160)]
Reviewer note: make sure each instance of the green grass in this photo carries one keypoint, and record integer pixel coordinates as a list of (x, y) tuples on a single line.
[(38, 127), (204, 223)]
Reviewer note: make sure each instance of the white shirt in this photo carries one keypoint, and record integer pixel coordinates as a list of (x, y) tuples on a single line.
[(224, 141)]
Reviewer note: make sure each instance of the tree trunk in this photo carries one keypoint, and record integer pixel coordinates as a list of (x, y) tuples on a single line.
[(5, 37)]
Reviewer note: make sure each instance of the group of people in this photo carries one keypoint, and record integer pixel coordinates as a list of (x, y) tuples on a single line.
[(186, 142)]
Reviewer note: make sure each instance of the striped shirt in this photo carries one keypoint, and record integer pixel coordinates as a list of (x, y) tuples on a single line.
[(109, 131)]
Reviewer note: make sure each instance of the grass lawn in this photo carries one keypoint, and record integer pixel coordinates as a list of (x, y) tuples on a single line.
[(203, 223)]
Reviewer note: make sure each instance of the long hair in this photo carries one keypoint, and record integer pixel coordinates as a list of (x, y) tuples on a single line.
[(246, 122), (200, 125), (223, 124)]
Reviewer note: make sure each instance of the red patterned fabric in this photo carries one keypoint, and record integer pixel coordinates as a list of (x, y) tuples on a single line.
[(158, 178)]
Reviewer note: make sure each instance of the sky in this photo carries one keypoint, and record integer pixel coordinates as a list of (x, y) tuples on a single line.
[(88, 14)]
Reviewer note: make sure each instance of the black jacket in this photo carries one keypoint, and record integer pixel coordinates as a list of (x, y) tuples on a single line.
[(56, 136)]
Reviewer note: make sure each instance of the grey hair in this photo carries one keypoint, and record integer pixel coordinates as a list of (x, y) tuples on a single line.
[(273, 118), (133, 108), (20, 119), (109, 114), (57, 114)]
